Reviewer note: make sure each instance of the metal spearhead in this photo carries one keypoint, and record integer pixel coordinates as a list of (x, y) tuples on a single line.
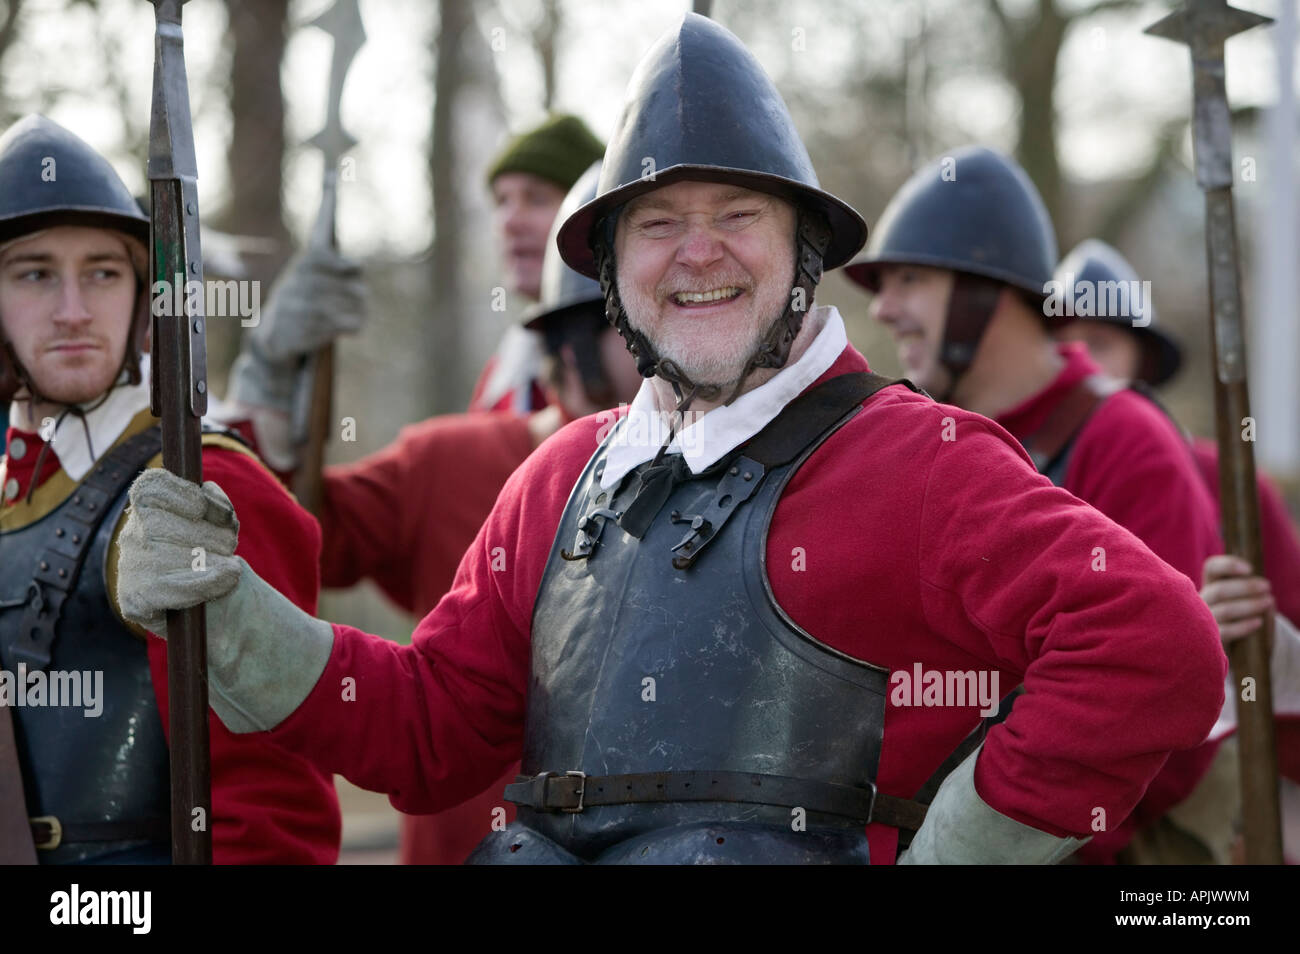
[(179, 397), (1204, 25), (177, 256), (313, 389), (342, 21)]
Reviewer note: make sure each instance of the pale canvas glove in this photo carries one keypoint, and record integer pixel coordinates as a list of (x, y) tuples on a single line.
[(961, 829), (264, 654), (320, 296)]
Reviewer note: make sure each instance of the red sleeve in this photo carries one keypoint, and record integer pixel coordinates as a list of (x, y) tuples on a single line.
[(268, 806), (1133, 465), (1121, 660), (435, 722), (403, 516), (366, 531)]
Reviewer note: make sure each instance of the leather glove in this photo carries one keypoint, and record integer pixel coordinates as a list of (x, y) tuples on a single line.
[(264, 654), (961, 829)]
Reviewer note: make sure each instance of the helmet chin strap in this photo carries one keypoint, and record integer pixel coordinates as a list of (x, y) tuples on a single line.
[(971, 304), (812, 236)]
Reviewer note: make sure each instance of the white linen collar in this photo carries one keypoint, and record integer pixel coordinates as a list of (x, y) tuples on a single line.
[(711, 436), (105, 424)]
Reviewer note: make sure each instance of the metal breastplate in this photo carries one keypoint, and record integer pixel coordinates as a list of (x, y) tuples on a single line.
[(108, 769), (669, 653)]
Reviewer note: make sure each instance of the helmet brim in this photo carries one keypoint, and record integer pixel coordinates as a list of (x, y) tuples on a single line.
[(848, 229)]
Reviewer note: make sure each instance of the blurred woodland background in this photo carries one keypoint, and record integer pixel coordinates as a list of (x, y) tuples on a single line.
[(1097, 113)]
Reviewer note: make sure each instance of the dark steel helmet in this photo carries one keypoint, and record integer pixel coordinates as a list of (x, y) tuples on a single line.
[(1115, 296), (563, 289), (50, 177), (700, 107), (973, 211)]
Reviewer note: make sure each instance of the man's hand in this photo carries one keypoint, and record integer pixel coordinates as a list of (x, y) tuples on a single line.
[(1237, 599), (177, 548), (320, 296)]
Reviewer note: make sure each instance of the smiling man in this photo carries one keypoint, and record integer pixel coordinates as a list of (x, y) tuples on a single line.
[(528, 180), (74, 327), (689, 638)]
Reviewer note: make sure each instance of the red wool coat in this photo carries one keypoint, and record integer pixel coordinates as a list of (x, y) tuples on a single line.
[(975, 562)]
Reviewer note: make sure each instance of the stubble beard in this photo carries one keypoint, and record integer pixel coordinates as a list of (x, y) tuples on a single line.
[(709, 356)]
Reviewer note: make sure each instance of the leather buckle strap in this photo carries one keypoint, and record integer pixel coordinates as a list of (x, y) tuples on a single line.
[(545, 794), (575, 791), (48, 832)]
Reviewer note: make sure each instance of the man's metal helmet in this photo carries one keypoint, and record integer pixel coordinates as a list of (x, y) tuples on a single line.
[(571, 309), (699, 107), (976, 213), (48, 178), (973, 211), (1116, 296)]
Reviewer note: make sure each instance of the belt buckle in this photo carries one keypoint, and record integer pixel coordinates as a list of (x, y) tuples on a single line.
[(582, 791), (55, 837)]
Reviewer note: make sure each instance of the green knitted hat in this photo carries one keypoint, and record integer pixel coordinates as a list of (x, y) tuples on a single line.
[(560, 150)]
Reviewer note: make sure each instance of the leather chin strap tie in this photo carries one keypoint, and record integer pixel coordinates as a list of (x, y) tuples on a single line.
[(971, 304)]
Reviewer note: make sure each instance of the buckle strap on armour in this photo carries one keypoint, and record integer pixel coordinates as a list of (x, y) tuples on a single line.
[(573, 792)]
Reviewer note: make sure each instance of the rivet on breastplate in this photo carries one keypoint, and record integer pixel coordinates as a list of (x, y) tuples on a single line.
[(44, 565), (63, 573), (734, 471), (76, 538), (748, 475), (77, 499), (674, 515), (58, 532)]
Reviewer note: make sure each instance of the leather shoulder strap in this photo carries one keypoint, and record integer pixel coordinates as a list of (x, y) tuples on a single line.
[(73, 529), (805, 418), (1049, 447)]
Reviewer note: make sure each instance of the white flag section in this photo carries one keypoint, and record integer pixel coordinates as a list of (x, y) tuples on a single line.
[(1275, 333)]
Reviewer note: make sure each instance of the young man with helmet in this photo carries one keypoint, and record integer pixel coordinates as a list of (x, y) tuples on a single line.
[(74, 320), (688, 629), (961, 266)]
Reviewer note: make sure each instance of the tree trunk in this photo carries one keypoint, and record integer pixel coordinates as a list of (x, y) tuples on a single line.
[(257, 132), (448, 384)]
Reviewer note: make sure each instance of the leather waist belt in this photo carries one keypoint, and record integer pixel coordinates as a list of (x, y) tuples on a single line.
[(575, 791), (48, 832)]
